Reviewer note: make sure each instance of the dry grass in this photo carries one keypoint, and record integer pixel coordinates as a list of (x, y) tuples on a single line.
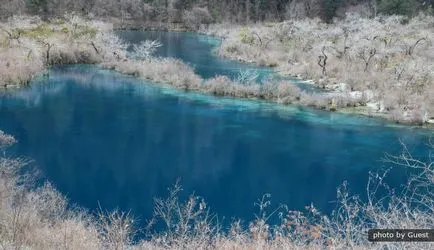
[(177, 74), (168, 70), (38, 218), (31, 45), (18, 66), (28, 46), (389, 56)]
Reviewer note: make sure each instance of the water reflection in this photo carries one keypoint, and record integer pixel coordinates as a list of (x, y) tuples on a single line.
[(103, 137), (195, 50)]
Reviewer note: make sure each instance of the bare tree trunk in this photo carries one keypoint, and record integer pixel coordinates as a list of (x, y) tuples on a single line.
[(322, 61), (248, 7), (373, 7), (47, 52), (367, 58), (410, 49), (257, 10)]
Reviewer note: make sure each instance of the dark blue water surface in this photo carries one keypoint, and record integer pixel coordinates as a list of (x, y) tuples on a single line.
[(108, 139)]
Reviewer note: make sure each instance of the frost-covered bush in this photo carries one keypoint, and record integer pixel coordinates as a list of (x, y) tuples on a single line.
[(32, 218), (146, 49), (28, 45), (196, 16), (163, 70), (385, 54), (220, 85), (110, 46), (287, 93), (18, 66)]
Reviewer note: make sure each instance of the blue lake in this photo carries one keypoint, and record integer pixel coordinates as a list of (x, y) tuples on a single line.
[(195, 50), (104, 138)]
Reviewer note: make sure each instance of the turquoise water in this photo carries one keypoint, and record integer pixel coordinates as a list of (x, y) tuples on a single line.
[(195, 50), (198, 52), (108, 139)]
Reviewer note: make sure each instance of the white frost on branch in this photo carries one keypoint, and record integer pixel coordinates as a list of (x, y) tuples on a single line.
[(110, 45), (146, 49), (247, 77)]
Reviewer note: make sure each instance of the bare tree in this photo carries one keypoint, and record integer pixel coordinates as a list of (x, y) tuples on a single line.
[(12, 34), (247, 77), (311, 7), (409, 48), (48, 45), (146, 49), (322, 61), (399, 71), (367, 54), (265, 40), (373, 8), (196, 17), (109, 45), (116, 228), (184, 220)]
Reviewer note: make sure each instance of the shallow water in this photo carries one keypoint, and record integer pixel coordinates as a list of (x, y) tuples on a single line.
[(108, 139), (195, 50), (198, 52)]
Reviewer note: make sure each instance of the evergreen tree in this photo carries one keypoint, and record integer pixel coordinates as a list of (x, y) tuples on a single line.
[(37, 6), (398, 7)]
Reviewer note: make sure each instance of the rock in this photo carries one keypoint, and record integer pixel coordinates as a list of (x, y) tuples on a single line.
[(342, 86), (356, 94), (376, 106)]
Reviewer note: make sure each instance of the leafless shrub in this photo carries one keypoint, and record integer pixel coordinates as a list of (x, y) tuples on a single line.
[(73, 54), (195, 17), (38, 218), (287, 93), (314, 100), (186, 223), (247, 77), (41, 44), (363, 53), (110, 46), (220, 85), (6, 140), (116, 229), (17, 67), (145, 49), (268, 90), (167, 70)]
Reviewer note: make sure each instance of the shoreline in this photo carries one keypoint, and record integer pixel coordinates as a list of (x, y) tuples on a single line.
[(166, 84), (330, 107), (244, 43)]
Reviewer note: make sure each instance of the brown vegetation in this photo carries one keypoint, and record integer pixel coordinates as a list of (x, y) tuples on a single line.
[(38, 217), (29, 45), (388, 60), (360, 61)]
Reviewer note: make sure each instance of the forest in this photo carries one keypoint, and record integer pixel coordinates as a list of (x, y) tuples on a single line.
[(371, 57), (205, 11)]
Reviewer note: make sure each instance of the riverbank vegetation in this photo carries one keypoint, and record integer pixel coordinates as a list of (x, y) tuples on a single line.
[(177, 74), (39, 217), (29, 45), (189, 14), (385, 60), (373, 63), (384, 71)]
